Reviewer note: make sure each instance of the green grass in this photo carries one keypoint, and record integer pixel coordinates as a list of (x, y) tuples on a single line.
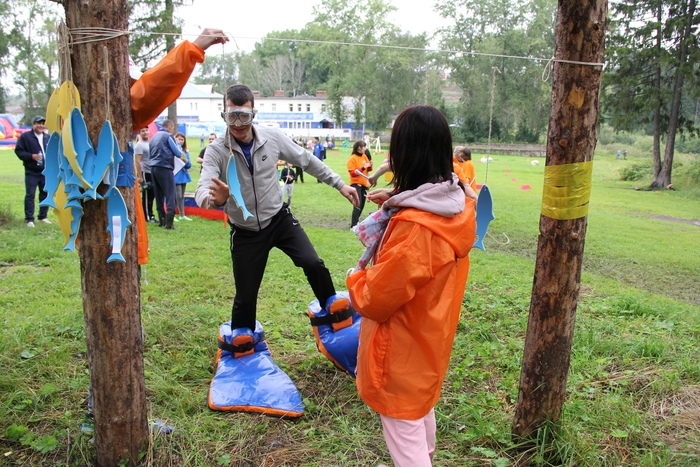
[(634, 383)]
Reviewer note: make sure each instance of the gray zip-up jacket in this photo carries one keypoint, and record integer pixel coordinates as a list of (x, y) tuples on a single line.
[(261, 191)]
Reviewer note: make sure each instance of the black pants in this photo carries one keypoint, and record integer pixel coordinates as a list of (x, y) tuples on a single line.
[(249, 253), (163, 190), (299, 172), (32, 181), (147, 196), (357, 211)]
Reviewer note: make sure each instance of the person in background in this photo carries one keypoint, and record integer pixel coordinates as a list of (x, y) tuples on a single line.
[(463, 158), (319, 151), (182, 178), (359, 166), (255, 150), (30, 149), (200, 157), (409, 284), (164, 150), (143, 173), (288, 177)]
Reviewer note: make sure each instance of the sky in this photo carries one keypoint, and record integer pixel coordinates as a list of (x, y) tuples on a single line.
[(249, 21)]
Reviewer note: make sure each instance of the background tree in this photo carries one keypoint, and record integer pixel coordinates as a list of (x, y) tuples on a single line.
[(33, 49), (652, 80), (511, 28), (218, 70)]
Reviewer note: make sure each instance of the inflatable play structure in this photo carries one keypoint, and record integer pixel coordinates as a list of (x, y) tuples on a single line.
[(10, 131)]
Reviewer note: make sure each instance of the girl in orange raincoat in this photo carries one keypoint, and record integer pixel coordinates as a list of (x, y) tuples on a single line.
[(411, 292)]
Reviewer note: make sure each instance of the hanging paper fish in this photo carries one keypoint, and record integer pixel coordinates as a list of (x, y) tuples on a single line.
[(70, 154), (103, 158), (484, 215), (118, 221), (64, 214), (235, 186), (81, 144), (77, 214), (53, 120), (51, 170), (68, 98)]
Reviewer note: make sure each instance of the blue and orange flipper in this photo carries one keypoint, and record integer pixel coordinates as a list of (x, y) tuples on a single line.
[(251, 382), (338, 343)]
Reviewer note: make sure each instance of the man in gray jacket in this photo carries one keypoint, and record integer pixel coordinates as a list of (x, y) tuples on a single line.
[(240, 173)]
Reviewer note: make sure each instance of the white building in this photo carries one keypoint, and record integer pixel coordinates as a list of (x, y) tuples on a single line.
[(199, 110)]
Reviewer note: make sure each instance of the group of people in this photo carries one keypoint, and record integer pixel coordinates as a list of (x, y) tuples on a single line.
[(408, 285), (162, 167)]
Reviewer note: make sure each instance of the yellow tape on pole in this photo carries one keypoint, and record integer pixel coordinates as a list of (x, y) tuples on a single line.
[(567, 190)]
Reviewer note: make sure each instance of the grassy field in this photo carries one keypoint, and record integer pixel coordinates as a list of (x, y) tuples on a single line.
[(634, 384)]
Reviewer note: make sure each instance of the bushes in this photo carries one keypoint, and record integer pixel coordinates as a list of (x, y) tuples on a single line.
[(636, 171)]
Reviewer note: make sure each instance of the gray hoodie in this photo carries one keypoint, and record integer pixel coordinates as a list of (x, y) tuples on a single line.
[(261, 191)]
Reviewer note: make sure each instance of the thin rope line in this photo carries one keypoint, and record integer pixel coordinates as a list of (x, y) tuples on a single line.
[(97, 34)]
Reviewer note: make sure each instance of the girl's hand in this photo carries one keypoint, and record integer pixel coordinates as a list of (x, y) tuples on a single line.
[(379, 196)]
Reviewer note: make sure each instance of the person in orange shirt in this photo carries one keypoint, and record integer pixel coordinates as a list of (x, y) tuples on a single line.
[(409, 284), (359, 166), (463, 158)]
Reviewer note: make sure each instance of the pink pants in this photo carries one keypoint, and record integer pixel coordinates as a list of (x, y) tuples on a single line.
[(411, 443)]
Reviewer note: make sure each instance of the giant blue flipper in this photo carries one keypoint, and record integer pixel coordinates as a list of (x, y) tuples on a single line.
[(51, 170), (484, 215), (235, 187), (252, 383), (339, 346)]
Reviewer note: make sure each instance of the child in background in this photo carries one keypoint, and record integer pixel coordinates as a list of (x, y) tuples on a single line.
[(288, 176), (411, 295), (463, 159), (359, 166), (182, 178)]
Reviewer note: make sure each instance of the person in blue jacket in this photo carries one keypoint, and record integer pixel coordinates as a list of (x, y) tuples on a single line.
[(164, 150), (182, 178), (30, 148)]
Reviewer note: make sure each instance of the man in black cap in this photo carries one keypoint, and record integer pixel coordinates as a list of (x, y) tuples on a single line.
[(30, 148)]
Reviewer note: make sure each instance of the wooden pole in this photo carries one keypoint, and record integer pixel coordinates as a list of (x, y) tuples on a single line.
[(571, 139), (111, 291)]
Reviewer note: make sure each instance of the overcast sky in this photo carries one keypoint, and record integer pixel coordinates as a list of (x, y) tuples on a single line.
[(249, 21)]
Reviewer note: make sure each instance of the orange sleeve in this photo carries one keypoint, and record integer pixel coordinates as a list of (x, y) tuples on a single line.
[(470, 172), (460, 173), (160, 86), (142, 239)]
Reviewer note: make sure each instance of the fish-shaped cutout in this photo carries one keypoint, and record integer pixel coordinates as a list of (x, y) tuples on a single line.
[(116, 160), (77, 215), (70, 154), (88, 169), (68, 99), (53, 120), (64, 214), (118, 221), (81, 143), (484, 215), (103, 158), (51, 169), (235, 186)]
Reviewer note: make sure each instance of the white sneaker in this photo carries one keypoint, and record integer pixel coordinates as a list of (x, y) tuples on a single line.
[(45, 221), (185, 218), (30, 224)]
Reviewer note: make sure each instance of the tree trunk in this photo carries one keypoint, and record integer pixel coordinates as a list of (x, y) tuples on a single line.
[(170, 45), (571, 139), (663, 178), (656, 146), (111, 293)]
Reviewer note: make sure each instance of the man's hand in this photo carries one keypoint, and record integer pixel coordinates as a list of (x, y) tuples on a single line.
[(351, 194), (209, 37), (219, 192)]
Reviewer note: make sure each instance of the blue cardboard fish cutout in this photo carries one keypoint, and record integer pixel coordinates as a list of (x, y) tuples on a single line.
[(118, 221), (235, 187), (51, 170), (103, 158), (484, 215), (77, 213), (81, 143)]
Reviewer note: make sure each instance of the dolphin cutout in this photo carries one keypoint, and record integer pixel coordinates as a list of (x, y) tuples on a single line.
[(51, 169), (484, 215), (235, 186), (118, 221)]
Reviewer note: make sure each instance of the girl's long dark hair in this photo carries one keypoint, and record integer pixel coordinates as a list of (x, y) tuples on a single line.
[(420, 150), (356, 147)]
